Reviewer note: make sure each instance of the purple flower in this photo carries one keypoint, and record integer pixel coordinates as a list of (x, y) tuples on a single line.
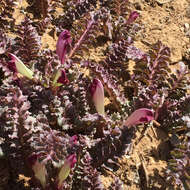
[(142, 115), (65, 169), (17, 66), (63, 44), (132, 17), (60, 78), (73, 140), (71, 160), (97, 93), (39, 169)]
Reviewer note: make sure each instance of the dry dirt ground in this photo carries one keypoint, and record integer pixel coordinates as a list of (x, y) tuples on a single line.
[(169, 22)]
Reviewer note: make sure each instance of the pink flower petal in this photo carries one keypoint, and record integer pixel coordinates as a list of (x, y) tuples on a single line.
[(132, 17), (60, 78), (97, 93), (63, 78), (73, 140), (63, 44), (142, 115), (71, 160)]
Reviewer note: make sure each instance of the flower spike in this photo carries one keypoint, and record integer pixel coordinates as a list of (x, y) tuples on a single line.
[(63, 44), (97, 93), (17, 66)]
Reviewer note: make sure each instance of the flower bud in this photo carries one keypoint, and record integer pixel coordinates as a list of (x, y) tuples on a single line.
[(63, 45), (132, 17), (39, 169), (142, 115), (60, 78), (97, 93), (17, 66), (65, 169)]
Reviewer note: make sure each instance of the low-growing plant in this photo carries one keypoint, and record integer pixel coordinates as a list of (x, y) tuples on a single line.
[(65, 115)]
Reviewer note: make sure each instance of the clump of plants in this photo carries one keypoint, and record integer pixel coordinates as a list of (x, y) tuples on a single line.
[(64, 116)]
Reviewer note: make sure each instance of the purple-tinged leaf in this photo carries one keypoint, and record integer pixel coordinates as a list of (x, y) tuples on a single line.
[(142, 115), (65, 169), (63, 44), (17, 66), (3, 42), (97, 93), (132, 17), (134, 53)]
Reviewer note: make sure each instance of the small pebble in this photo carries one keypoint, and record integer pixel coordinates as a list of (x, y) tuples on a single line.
[(188, 12), (138, 6), (186, 25)]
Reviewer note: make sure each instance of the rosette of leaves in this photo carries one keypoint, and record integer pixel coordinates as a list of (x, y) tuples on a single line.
[(42, 8), (28, 43), (74, 10), (86, 176), (6, 12), (117, 57), (27, 136), (119, 20), (179, 165), (117, 184), (154, 85), (175, 104)]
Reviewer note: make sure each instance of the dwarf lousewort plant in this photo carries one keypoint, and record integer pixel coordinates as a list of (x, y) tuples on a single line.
[(179, 165), (56, 128)]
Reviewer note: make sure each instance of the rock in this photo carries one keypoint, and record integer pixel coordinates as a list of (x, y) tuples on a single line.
[(186, 27)]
